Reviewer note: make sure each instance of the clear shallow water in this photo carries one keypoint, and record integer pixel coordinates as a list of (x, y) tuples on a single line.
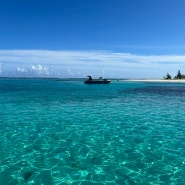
[(65, 132)]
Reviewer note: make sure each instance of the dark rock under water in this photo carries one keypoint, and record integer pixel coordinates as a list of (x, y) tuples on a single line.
[(27, 175)]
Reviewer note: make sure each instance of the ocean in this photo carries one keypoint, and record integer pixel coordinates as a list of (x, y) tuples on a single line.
[(65, 132)]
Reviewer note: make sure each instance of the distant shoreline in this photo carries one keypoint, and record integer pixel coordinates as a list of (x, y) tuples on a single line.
[(156, 80), (112, 79)]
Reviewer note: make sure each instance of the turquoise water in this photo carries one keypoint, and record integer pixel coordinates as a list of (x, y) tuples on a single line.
[(64, 132)]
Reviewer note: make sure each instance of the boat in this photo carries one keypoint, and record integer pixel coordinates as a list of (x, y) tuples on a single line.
[(97, 81)]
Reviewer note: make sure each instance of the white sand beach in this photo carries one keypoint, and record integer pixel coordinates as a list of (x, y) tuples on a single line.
[(158, 80)]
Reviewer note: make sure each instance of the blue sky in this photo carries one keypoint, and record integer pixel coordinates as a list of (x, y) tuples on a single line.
[(74, 38)]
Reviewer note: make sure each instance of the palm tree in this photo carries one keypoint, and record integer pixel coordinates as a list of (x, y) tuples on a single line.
[(167, 77), (179, 75)]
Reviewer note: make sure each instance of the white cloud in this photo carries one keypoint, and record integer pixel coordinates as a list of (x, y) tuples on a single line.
[(81, 63), (69, 72), (33, 70), (39, 69), (1, 68), (22, 70)]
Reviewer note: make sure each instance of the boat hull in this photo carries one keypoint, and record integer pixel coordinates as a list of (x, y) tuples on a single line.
[(97, 81)]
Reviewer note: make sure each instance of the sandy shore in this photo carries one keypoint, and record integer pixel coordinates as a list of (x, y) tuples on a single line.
[(156, 80)]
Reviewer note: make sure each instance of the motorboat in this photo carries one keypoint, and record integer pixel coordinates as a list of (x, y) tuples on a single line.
[(97, 81)]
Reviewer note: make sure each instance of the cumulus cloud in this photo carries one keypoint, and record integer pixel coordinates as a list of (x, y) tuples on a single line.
[(20, 69), (81, 63), (39, 69), (33, 70)]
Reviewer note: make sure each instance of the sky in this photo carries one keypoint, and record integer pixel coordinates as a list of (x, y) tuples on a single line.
[(76, 38)]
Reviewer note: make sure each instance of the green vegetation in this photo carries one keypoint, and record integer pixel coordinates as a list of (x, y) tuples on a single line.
[(177, 77), (167, 77)]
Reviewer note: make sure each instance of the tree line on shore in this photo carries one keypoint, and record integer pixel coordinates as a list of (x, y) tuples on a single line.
[(177, 77)]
